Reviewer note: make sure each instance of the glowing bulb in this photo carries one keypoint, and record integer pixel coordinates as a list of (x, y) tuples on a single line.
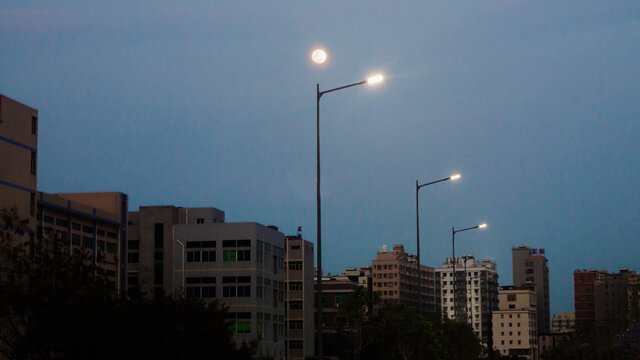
[(319, 56), (375, 79), (482, 226), (455, 177)]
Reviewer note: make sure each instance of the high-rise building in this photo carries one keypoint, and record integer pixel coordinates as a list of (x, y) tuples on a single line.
[(600, 296), (192, 252), (94, 222), (563, 323), (18, 163), (362, 276), (477, 292), (299, 297), (530, 266), (395, 279), (515, 323)]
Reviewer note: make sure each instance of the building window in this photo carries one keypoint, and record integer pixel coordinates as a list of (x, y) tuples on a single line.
[(33, 162), (200, 221), (76, 226), (48, 219), (75, 239), (158, 235), (111, 248), (236, 286), (87, 229), (34, 125), (32, 203), (133, 244), (87, 242), (133, 258)]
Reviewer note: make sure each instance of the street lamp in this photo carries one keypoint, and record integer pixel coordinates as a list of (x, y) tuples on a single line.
[(418, 187), (371, 80), (453, 258)]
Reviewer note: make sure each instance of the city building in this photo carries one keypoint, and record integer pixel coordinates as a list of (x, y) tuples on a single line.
[(18, 163), (515, 322), (192, 252), (336, 291), (548, 341), (477, 292), (563, 323), (94, 222), (530, 266), (299, 297), (395, 279), (600, 296), (362, 276)]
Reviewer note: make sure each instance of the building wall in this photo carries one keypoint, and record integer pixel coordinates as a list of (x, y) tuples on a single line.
[(601, 296), (478, 295), (515, 323), (244, 268), (530, 265), (18, 163), (395, 279), (98, 228), (563, 323), (299, 298)]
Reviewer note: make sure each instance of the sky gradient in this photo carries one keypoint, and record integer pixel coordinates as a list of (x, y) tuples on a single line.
[(199, 103)]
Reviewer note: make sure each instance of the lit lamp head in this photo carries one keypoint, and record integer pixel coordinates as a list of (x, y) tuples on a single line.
[(482, 226), (375, 79), (454, 177), (319, 56)]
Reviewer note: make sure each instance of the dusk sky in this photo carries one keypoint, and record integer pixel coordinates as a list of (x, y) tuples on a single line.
[(203, 103)]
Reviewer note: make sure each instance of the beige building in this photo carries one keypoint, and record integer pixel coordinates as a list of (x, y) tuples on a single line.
[(299, 297), (515, 323), (477, 288), (530, 266), (192, 252), (563, 323), (395, 279), (18, 160), (93, 222)]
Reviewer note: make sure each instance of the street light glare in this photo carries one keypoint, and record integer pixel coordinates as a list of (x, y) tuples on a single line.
[(482, 226), (455, 177), (375, 79), (319, 56)]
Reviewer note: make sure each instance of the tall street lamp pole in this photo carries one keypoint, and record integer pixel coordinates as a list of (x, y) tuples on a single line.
[(372, 80), (418, 187), (453, 258)]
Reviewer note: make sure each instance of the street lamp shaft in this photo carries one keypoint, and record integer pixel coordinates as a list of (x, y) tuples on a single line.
[(319, 304)]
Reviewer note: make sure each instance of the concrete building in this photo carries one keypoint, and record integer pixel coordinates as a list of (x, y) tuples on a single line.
[(547, 342), (94, 222), (150, 245), (530, 266), (600, 296), (336, 291), (477, 288), (18, 163), (192, 252), (299, 297), (515, 323), (563, 323), (363, 276), (395, 279)]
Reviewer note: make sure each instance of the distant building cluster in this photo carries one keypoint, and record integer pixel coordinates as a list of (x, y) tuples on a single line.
[(267, 280)]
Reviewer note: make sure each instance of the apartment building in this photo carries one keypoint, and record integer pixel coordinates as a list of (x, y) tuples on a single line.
[(477, 292), (299, 297), (601, 296), (361, 276), (515, 322), (395, 278), (531, 266), (563, 323), (18, 163), (193, 252), (93, 222)]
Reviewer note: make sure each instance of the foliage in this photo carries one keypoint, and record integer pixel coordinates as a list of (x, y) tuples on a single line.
[(59, 305), (608, 340)]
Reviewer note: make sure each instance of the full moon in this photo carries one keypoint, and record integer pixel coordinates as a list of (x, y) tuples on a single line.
[(319, 56)]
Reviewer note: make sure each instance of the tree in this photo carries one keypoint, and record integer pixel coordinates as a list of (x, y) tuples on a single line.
[(355, 315), (59, 305), (459, 340)]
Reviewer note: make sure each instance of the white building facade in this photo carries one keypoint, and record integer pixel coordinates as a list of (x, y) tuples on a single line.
[(477, 292)]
